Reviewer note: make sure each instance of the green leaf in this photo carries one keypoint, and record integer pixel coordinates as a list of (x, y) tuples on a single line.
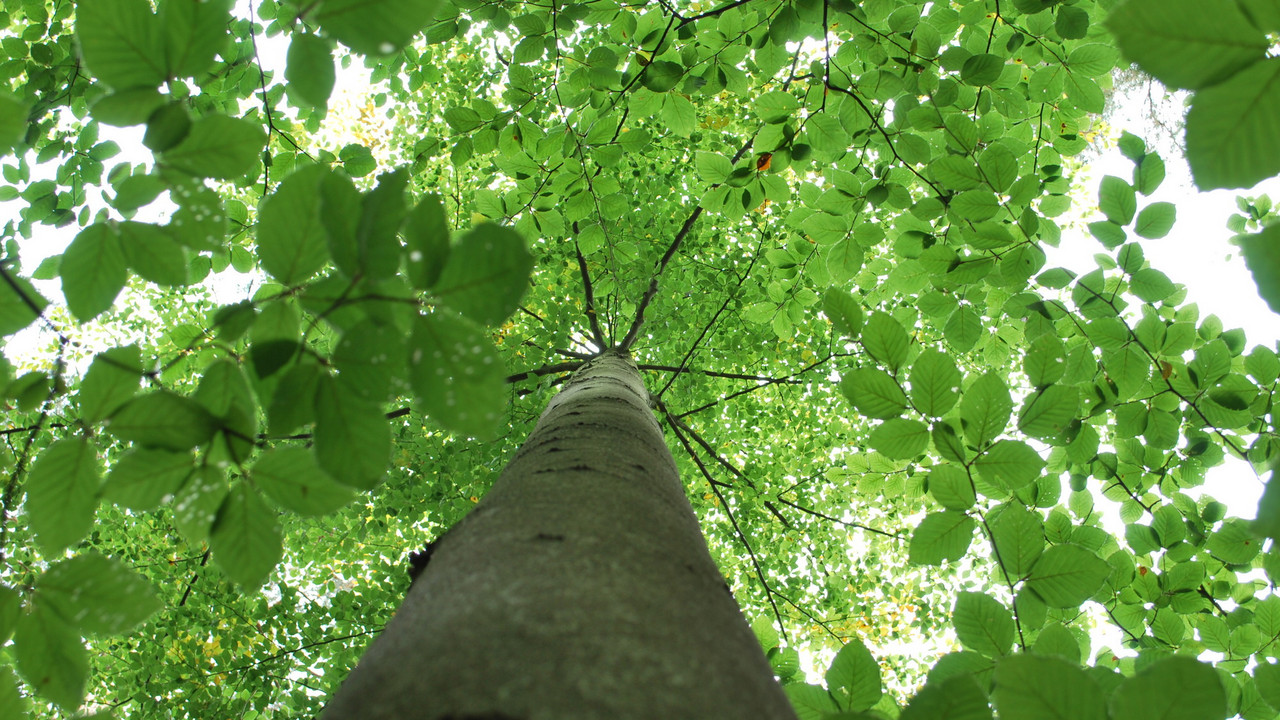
[(97, 594), (196, 504), (935, 382), (855, 674), (951, 487), (1231, 138), (662, 75), (775, 106), (51, 658), (999, 167), (309, 70), (827, 137), (963, 328), (957, 172), (1018, 534), (10, 611), (153, 254), (381, 213), (1072, 23), (844, 260), (712, 167), (20, 305), (143, 478), (1261, 252), (1108, 233), (292, 243), (940, 537), (900, 438), (368, 357), (1151, 285), (811, 702), (245, 538), (457, 374), (352, 436), (679, 114), (983, 624), (874, 393), (194, 33), (976, 205), (486, 275), (167, 127), (1173, 688), (162, 419), (1092, 60), (13, 121), (12, 702), (1148, 174), (93, 271), (844, 312), (62, 493), (426, 235), (138, 191), (112, 379), (982, 69), (125, 107), (885, 340), (955, 698), (1047, 413), (218, 147), (1031, 687), (291, 405), (375, 27), (1116, 200), (224, 391), (359, 161), (1067, 575), (985, 409), (1266, 676), (1156, 220), (341, 207), (1160, 35), (121, 43), (1235, 542), (292, 477), (1010, 463)]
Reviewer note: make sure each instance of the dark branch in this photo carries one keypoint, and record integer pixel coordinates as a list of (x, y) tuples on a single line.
[(828, 518), (677, 423), (717, 373), (764, 384), (590, 295), (715, 318), (563, 367), (625, 345), (715, 488), (713, 13), (204, 560)]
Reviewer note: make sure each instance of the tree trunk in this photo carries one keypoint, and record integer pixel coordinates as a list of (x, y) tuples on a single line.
[(580, 587)]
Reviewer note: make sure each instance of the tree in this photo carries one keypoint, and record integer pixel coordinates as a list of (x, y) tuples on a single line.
[(817, 226)]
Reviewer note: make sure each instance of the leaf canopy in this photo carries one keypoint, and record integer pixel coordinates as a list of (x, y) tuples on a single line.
[(264, 337)]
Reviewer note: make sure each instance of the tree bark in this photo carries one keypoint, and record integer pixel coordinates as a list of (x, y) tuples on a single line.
[(579, 587)]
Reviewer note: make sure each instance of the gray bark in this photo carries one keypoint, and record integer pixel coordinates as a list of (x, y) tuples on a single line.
[(579, 587)]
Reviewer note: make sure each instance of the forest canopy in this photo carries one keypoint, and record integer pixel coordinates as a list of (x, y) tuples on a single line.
[(290, 339)]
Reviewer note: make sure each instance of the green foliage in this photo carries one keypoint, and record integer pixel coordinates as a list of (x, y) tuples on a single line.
[(1229, 139), (292, 337)]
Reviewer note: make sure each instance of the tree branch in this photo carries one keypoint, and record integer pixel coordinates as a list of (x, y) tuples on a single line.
[(828, 518), (590, 296), (755, 562), (629, 340)]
